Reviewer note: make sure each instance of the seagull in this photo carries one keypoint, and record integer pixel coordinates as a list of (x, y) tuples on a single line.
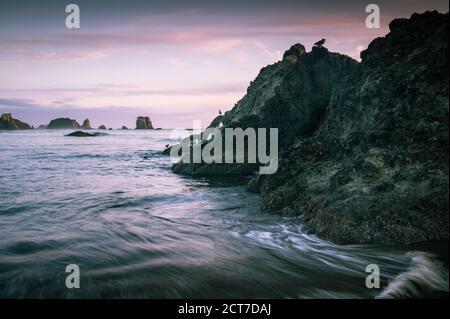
[(320, 43)]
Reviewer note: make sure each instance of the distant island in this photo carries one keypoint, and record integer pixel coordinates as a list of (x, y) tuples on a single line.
[(63, 123), (7, 122)]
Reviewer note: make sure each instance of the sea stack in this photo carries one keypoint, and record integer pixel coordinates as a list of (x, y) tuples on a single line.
[(144, 123), (102, 127), (7, 122), (63, 123), (86, 125)]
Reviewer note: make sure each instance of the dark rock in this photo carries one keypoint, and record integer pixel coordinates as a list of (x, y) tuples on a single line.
[(7, 122), (292, 55), (102, 127), (376, 168), (143, 123), (215, 169), (254, 184), (81, 134), (166, 151), (86, 125), (319, 52), (363, 146), (124, 127), (63, 123), (290, 97)]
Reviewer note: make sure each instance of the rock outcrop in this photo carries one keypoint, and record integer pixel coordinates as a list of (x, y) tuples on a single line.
[(143, 123), (363, 146), (7, 122), (81, 134), (102, 127), (63, 123), (86, 125), (124, 127), (291, 95), (292, 55)]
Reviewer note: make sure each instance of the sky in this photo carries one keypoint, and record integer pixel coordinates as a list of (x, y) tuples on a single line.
[(174, 61)]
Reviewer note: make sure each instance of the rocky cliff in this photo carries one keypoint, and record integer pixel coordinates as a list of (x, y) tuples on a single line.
[(7, 122), (376, 169), (363, 146), (291, 95)]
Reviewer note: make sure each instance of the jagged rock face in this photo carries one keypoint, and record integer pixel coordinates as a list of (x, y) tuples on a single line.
[(143, 123), (86, 124), (376, 170), (363, 146), (407, 35), (291, 97), (102, 127), (7, 122), (287, 96), (292, 55), (63, 123), (297, 50)]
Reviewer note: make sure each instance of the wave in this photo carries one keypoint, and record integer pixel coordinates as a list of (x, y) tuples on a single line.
[(427, 277)]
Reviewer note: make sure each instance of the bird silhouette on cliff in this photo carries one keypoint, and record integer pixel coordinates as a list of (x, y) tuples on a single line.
[(320, 43)]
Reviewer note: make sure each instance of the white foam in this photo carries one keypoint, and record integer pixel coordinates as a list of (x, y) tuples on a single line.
[(425, 276)]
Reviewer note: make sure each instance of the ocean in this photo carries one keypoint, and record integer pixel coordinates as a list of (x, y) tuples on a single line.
[(111, 205)]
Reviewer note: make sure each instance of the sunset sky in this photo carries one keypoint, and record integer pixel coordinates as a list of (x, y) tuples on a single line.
[(175, 61)]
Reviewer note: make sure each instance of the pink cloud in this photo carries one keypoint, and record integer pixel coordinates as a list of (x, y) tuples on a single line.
[(208, 38), (25, 56)]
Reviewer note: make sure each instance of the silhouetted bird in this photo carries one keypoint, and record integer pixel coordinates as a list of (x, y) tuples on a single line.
[(320, 43), (220, 112)]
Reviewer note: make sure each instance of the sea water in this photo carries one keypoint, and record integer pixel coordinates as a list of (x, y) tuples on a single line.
[(111, 205)]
